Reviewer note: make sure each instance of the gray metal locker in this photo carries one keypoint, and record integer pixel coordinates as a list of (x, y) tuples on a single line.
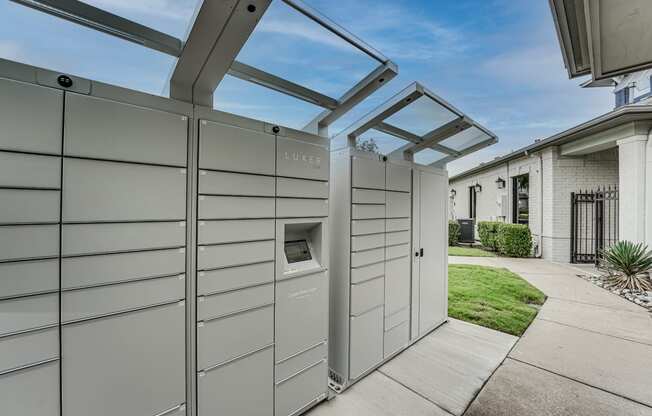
[(31, 391), (29, 277)]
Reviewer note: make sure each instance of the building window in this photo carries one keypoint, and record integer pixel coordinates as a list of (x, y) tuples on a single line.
[(473, 202), (521, 199)]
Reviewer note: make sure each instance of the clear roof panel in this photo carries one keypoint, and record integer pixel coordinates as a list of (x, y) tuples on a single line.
[(173, 17), (289, 45), (64, 46), (465, 139), (422, 116), (386, 143), (428, 156)]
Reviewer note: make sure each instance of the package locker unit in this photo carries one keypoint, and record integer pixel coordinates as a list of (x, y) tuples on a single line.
[(388, 233)]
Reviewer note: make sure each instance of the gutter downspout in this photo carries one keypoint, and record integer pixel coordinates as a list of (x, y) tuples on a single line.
[(647, 221), (540, 248)]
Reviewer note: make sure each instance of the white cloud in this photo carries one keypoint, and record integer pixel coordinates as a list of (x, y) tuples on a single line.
[(169, 9)]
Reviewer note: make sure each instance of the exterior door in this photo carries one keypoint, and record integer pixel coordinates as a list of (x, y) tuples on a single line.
[(433, 279)]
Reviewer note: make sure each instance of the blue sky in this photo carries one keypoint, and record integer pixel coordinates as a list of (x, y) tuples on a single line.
[(496, 60)]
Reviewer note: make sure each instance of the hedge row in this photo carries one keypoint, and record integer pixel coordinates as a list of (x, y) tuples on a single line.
[(513, 240), (454, 232)]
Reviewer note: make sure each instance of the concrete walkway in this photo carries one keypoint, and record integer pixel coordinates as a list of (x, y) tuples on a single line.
[(438, 376), (588, 352)]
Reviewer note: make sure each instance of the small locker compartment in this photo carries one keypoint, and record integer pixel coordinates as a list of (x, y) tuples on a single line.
[(366, 242), (226, 255), (20, 206), (396, 338), (226, 303), (362, 274), (29, 171), (397, 238), (232, 207), (28, 348), (393, 252), (227, 183), (367, 295), (367, 196), (363, 258), (31, 117), (361, 227), (134, 193), (23, 242), (300, 188), (223, 339), (32, 312), (367, 173), (238, 277), (250, 151), (398, 204), (301, 207), (397, 224), (306, 158), (397, 285), (243, 386), (146, 347), (399, 178), (79, 239), (103, 129), (366, 343), (234, 231), (367, 211), (301, 390), (31, 391), (84, 271), (28, 277)]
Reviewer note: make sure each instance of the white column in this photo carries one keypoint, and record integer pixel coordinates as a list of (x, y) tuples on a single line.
[(632, 184)]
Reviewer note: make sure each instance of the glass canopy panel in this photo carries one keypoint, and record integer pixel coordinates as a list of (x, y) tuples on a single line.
[(287, 44), (386, 143), (173, 17), (236, 96), (465, 139), (422, 116), (428, 156), (57, 44)]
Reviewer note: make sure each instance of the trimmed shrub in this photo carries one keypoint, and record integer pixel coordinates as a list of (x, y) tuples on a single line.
[(454, 233), (488, 233), (514, 240)]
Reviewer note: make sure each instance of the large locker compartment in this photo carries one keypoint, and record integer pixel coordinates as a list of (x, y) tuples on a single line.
[(123, 258), (30, 194), (261, 335)]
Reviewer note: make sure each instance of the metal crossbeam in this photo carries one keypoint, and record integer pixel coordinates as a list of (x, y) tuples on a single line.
[(468, 150), (443, 132), (413, 138)]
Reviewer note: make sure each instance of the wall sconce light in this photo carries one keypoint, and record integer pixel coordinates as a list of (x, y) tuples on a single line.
[(500, 183), (453, 193), (478, 187)]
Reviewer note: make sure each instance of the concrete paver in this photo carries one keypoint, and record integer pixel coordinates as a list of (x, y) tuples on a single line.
[(523, 390)]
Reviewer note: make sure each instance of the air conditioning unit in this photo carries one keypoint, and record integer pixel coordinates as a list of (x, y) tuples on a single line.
[(467, 230)]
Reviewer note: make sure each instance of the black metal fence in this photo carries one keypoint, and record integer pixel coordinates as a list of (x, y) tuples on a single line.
[(594, 223)]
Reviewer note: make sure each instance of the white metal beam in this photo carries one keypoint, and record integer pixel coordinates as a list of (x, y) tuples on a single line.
[(468, 150), (411, 137), (442, 133)]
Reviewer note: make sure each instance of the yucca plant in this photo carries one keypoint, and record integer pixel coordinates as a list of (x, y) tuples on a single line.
[(628, 265)]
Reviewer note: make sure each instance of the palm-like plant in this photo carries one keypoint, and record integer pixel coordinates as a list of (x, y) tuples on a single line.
[(629, 264)]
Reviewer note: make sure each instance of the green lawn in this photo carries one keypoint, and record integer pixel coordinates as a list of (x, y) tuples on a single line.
[(469, 252), (492, 297)]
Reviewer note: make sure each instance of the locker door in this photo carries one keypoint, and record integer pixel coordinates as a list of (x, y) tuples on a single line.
[(433, 267), (416, 261)]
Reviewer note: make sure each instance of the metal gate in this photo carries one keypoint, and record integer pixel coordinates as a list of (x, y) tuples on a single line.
[(594, 223)]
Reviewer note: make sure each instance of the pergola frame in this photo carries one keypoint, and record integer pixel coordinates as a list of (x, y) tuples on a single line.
[(376, 120), (219, 31)]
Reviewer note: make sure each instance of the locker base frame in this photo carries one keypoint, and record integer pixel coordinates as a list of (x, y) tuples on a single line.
[(338, 387)]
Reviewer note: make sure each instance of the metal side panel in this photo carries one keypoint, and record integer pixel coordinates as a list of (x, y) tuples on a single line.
[(397, 285), (84, 271), (108, 238), (104, 129), (300, 188), (301, 208), (300, 159), (236, 149), (31, 117), (240, 387), (367, 173), (28, 313), (367, 196), (305, 388), (29, 171), (105, 300), (145, 348), (361, 227), (301, 314), (399, 178), (367, 295), (22, 242), (110, 191), (223, 339), (28, 277), (234, 231), (215, 306), (366, 242), (398, 204), (20, 206), (230, 207), (33, 391), (231, 278), (28, 348), (226, 255), (366, 342), (226, 183), (365, 273)]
